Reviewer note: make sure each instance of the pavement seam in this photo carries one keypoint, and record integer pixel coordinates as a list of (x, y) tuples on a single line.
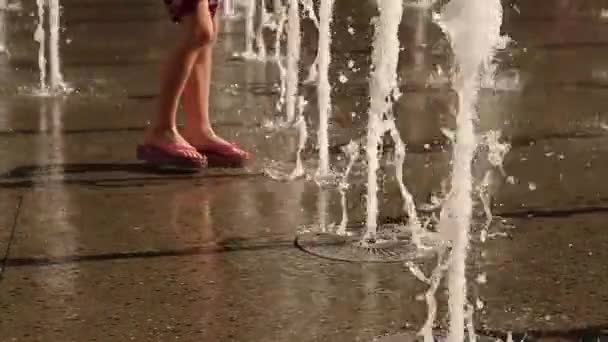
[(192, 251), (11, 237)]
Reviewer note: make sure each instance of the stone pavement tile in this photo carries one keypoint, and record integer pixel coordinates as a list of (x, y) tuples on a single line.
[(266, 295), (108, 148), (549, 274), (71, 222), (9, 203), (558, 174)]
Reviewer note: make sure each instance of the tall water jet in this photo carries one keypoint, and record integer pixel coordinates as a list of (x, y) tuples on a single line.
[(323, 86), (313, 72), (293, 59), (473, 28), (352, 153), (280, 17), (249, 29), (385, 58), (56, 79), (3, 8), (39, 36), (261, 55), (229, 9), (303, 137)]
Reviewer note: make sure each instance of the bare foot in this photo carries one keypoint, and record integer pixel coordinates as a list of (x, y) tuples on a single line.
[(203, 138), (217, 150), (162, 138)]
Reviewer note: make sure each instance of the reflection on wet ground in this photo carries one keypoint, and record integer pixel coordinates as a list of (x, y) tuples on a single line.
[(95, 246)]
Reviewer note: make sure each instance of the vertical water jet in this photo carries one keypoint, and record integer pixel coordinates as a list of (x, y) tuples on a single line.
[(55, 77), (3, 8), (249, 29), (39, 36), (323, 86), (261, 44), (293, 59), (473, 29), (385, 58)]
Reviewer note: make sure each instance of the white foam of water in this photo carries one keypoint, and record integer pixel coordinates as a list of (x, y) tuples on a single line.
[(39, 37), (496, 153), (302, 131), (229, 9), (3, 47), (293, 58), (56, 78), (352, 153), (280, 17), (264, 19), (323, 86), (409, 206), (473, 28), (313, 72), (279, 20), (433, 282), (383, 82), (249, 30), (303, 137)]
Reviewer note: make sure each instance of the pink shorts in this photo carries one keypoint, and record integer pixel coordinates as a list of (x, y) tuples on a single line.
[(181, 8)]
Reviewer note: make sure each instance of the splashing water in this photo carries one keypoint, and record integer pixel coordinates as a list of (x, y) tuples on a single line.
[(56, 79), (385, 57), (302, 131), (473, 28), (279, 20), (261, 55), (303, 137), (322, 203), (313, 72), (249, 30), (280, 17), (323, 86), (3, 8), (409, 206), (433, 282), (39, 37), (293, 59), (496, 152), (229, 11), (352, 153), (52, 82)]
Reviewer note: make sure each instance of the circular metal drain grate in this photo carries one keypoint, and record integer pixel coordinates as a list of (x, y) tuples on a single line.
[(392, 244), (414, 337)]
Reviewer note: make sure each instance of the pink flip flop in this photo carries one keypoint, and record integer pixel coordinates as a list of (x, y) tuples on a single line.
[(224, 155), (170, 155)]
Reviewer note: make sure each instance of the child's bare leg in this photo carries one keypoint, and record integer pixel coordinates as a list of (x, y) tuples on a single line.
[(198, 130), (198, 33)]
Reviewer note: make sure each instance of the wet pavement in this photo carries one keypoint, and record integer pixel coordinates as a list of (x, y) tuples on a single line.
[(98, 248)]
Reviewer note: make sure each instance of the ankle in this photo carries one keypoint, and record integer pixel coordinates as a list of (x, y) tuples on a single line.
[(198, 131), (162, 129)]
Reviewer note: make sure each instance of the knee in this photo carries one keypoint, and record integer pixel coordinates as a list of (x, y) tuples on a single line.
[(202, 37)]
